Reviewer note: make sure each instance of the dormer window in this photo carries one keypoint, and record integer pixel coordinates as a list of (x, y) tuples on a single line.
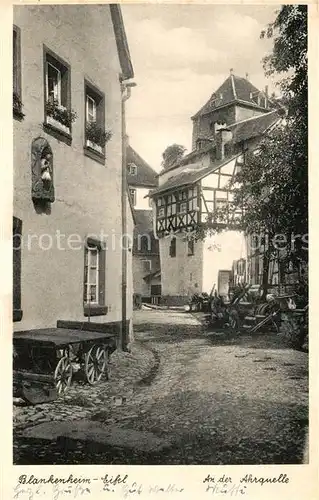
[(132, 169)]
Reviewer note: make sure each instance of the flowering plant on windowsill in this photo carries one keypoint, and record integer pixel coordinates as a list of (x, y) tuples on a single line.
[(17, 104), (96, 135), (60, 113)]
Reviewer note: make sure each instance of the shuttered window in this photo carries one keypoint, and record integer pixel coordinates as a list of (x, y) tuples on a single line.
[(17, 91), (94, 278), (17, 248)]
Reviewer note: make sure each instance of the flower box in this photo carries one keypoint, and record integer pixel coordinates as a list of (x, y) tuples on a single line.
[(55, 123), (96, 137), (93, 145), (59, 116)]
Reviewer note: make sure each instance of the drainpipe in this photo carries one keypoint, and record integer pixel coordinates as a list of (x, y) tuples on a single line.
[(126, 94)]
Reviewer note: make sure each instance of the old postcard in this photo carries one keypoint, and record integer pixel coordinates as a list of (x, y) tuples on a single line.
[(157, 237)]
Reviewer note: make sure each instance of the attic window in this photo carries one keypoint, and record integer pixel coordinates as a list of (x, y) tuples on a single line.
[(132, 169), (221, 96)]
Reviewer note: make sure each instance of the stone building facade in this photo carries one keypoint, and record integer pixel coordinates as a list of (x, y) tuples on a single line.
[(68, 63)]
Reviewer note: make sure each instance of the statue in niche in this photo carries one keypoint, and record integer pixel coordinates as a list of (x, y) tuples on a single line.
[(42, 171)]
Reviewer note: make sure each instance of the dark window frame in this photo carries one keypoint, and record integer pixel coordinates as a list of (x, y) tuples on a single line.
[(132, 169), (99, 309), (133, 193), (143, 261), (91, 90), (17, 72), (172, 247), (190, 247), (65, 68), (17, 263)]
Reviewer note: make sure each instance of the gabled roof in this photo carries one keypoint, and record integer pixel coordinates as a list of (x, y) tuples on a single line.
[(234, 89), (192, 173), (253, 127), (121, 42), (145, 175)]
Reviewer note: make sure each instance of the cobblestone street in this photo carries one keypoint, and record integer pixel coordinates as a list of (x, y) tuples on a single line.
[(202, 398)]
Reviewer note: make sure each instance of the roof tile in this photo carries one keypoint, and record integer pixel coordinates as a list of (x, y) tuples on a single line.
[(225, 94)]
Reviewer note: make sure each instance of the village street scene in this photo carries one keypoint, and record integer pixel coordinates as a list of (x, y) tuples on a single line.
[(160, 235)]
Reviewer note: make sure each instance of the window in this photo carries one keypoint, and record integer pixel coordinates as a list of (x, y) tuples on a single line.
[(57, 84), (94, 279), (16, 50), (90, 109), (53, 83), (146, 264), (132, 169), (156, 290), (172, 248), (95, 135), (182, 208), (171, 205), (133, 196), (17, 244), (190, 247), (182, 205)]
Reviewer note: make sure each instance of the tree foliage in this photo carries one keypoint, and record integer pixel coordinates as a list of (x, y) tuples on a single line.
[(273, 182), (172, 155)]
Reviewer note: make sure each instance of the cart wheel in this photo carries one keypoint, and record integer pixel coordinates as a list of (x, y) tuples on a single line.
[(63, 375), (95, 364)]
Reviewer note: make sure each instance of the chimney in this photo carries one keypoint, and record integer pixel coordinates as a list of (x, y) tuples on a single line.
[(266, 96), (247, 76), (223, 136)]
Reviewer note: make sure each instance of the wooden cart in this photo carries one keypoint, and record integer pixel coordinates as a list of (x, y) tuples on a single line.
[(45, 360)]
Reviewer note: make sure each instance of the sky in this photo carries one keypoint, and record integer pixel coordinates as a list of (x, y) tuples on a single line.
[(180, 55)]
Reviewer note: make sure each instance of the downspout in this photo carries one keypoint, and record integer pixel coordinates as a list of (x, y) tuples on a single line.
[(126, 94)]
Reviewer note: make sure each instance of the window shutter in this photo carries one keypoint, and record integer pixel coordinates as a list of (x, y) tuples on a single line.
[(17, 242), (102, 268), (65, 94), (85, 273), (100, 113)]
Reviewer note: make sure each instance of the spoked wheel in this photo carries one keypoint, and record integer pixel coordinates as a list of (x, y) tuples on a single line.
[(95, 364), (63, 375)]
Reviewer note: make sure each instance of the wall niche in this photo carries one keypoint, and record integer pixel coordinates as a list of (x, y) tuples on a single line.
[(42, 172)]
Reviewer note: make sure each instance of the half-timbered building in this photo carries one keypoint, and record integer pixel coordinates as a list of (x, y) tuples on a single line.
[(195, 191)]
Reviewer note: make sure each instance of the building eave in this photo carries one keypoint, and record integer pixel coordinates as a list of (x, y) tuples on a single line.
[(188, 182), (121, 42)]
